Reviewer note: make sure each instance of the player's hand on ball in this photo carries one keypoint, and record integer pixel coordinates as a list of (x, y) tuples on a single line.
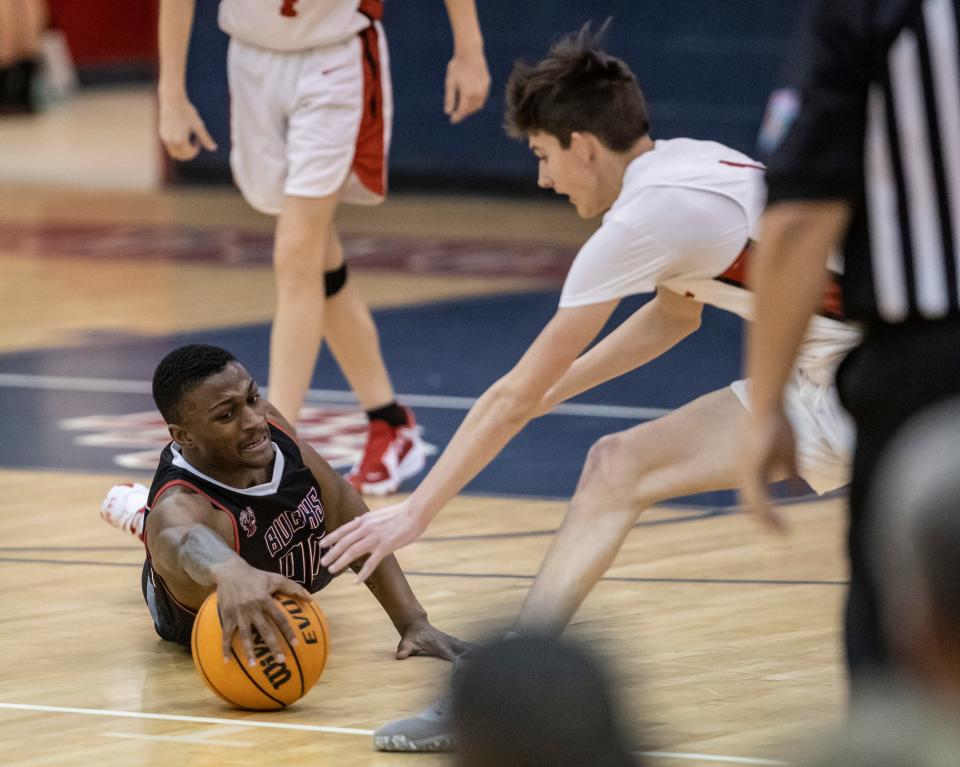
[(182, 130), (467, 85), (421, 638), (377, 533), (245, 597)]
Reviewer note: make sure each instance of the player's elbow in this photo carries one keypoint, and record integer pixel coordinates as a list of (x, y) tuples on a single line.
[(513, 403)]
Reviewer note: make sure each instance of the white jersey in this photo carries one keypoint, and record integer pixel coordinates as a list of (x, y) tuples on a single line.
[(296, 25), (684, 220)]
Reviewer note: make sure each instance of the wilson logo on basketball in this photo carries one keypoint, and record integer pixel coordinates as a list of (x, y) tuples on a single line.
[(275, 672)]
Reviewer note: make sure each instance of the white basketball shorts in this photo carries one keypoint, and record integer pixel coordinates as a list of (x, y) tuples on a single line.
[(823, 430), (311, 123)]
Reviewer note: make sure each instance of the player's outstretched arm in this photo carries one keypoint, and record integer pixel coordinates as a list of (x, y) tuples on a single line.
[(467, 82), (188, 548), (181, 129), (387, 582), (787, 274), (653, 329), (502, 411)]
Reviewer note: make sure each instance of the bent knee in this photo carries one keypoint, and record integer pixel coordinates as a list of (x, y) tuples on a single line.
[(610, 465)]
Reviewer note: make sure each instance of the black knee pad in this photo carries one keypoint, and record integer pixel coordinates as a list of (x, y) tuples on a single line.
[(335, 280)]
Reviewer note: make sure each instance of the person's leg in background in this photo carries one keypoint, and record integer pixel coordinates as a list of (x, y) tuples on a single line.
[(21, 29), (322, 141), (393, 450), (301, 249)]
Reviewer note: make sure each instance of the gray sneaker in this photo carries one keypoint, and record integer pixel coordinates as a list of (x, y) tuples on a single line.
[(430, 730)]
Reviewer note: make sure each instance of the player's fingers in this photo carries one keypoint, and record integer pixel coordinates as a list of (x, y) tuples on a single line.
[(205, 139), (474, 101), (349, 551), (228, 629), (460, 113), (405, 649), (280, 618), (281, 585), (299, 591), (369, 566), (762, 510), (449, 95), (335, 535), (268, 633), (246, 641), (182, 150), (332, 560), (753, 493)]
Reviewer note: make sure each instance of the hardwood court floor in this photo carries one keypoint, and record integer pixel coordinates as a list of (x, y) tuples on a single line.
[(725, 641)]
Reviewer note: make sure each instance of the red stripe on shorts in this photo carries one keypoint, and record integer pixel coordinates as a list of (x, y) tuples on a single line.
[(369, 161)]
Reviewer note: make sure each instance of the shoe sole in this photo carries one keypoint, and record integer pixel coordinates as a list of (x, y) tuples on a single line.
[(411, 465), (436, 744)]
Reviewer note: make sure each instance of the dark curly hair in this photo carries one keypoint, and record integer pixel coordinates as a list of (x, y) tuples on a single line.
[(577, 87), (181, 370)]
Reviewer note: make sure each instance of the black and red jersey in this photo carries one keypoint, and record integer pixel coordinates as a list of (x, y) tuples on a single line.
[(277, 526)]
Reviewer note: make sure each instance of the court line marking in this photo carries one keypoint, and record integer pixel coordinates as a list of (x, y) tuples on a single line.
[(710, 757), (436, 401), (325, 729), (492, 576), (185, 718), (682, 516)]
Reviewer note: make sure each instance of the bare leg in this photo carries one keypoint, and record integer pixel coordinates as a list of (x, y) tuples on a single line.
[(694, 449), (300, 253), (353, 339)]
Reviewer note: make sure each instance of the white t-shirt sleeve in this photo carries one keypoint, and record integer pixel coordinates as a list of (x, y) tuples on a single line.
[(663, 233)]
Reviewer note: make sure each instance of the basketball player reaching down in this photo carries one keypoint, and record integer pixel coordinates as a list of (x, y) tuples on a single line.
[(311, 111), (680, 217), (239, 506)]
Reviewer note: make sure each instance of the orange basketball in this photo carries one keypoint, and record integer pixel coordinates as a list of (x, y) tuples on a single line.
[(269, 684)]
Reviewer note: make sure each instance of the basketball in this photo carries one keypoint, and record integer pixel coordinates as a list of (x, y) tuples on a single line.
[(268, 685)]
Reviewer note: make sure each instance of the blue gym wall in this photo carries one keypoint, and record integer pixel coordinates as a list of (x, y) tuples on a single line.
[(706, 66)]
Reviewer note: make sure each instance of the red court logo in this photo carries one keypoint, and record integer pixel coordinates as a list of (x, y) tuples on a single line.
[(338, 433)]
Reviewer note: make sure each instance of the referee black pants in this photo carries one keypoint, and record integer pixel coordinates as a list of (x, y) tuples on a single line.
[(897, 371)]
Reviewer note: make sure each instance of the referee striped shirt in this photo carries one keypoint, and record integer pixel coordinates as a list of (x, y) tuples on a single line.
[(877, 122)]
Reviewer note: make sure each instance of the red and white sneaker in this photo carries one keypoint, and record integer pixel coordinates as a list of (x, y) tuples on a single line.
[(391, 455), (124, 506)]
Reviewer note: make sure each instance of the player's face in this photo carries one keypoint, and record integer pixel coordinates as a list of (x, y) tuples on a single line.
[(225, 423), (571, 172)]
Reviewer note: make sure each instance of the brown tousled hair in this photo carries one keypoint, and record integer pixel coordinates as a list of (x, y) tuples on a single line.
[(577, 87)]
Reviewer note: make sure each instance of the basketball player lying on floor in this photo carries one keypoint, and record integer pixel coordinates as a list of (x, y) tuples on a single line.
[(680, 216), (239, 506)]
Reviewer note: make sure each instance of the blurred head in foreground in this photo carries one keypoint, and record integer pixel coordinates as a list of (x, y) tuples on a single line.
[(537, 702), (917, 563)]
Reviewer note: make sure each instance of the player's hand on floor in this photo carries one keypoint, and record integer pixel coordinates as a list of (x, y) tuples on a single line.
[(420, 638), (245, 598), (467, 85), (377, 533), (182, 130), (769, 454)]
